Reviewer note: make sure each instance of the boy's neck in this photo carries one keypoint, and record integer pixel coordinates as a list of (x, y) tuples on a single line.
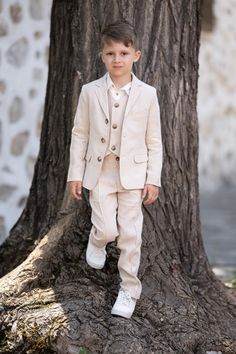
[(121, 81)]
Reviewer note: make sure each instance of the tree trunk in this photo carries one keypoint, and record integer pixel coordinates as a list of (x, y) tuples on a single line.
[(53, 302)]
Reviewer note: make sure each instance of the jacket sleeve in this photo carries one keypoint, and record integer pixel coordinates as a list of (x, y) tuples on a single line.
[(154, 143), (79, 139)]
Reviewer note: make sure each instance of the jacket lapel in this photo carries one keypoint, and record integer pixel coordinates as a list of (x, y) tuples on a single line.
[(101, 92), (134, 93)]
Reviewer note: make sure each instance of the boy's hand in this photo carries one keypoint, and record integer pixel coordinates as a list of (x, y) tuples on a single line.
[(75, 188), (150, 192)]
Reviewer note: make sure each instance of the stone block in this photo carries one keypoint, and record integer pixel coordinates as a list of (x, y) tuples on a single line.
[(38, 34), (3, 27), (3, 86), (18, 51), (6, 191), (32, 93), (36, 9), (16, 109), (18, 143), (16, 12)]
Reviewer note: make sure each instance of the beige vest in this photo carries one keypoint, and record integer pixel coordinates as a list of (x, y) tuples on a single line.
[(116, 113)]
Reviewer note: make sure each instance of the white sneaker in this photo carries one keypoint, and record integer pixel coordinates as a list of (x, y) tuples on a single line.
[(124, 305), (95, 256)]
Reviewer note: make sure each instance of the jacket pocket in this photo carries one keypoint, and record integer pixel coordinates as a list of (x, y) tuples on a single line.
[(140, 158)]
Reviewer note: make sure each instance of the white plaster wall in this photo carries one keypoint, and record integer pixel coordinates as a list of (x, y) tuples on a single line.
[(24, 41), (217, 100)]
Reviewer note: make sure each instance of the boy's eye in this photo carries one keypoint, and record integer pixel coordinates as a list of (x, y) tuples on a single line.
[(122, 53)]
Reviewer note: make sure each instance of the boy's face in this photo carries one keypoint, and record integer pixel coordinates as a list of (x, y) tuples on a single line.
[(119, 59)]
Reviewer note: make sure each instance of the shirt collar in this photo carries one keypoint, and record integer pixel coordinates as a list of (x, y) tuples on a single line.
[(126, 87)]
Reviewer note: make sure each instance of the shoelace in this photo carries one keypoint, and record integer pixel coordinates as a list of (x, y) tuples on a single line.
[(124, 297)]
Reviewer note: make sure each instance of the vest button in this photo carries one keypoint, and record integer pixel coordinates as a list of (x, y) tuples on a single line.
[(117, 158), (114, 126), (113, 147), (99, 158), (106, 121), (116, 105), (103, 140)]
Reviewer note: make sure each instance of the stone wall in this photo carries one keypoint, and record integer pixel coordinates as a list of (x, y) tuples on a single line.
[(217, 99), (24, 42)]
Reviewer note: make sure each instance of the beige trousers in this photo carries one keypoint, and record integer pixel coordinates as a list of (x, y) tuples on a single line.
[(117, 213)]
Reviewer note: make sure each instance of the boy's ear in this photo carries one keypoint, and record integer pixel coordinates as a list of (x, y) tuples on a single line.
[(137, 55), (100, 55)]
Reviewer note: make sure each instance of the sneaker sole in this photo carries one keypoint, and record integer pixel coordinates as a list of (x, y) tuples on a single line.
[(94, 265), (121, 313)]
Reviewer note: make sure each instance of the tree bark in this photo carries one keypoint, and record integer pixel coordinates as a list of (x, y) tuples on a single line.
[(53, 302)]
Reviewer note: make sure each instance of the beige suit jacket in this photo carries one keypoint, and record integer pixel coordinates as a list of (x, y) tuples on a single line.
[(141, 143)]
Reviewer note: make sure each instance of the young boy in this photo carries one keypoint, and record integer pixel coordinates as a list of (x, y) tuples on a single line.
[(116, 153)]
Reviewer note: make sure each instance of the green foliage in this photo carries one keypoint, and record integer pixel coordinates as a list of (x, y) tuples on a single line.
[(83, 351), (232, 283)]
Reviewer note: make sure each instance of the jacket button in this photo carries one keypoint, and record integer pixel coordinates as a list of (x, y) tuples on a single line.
[(106, 121), (103, 140), (116, 105), (114, 126), (99, 158), (113, 147), (117, 158)]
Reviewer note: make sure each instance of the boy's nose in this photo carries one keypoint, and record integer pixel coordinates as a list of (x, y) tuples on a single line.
[(116, 58)]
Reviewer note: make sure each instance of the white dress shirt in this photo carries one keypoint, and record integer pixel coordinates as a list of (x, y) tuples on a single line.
[(118, 93)]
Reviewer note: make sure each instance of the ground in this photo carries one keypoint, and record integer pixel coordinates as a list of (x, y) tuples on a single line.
[(218, 217)]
